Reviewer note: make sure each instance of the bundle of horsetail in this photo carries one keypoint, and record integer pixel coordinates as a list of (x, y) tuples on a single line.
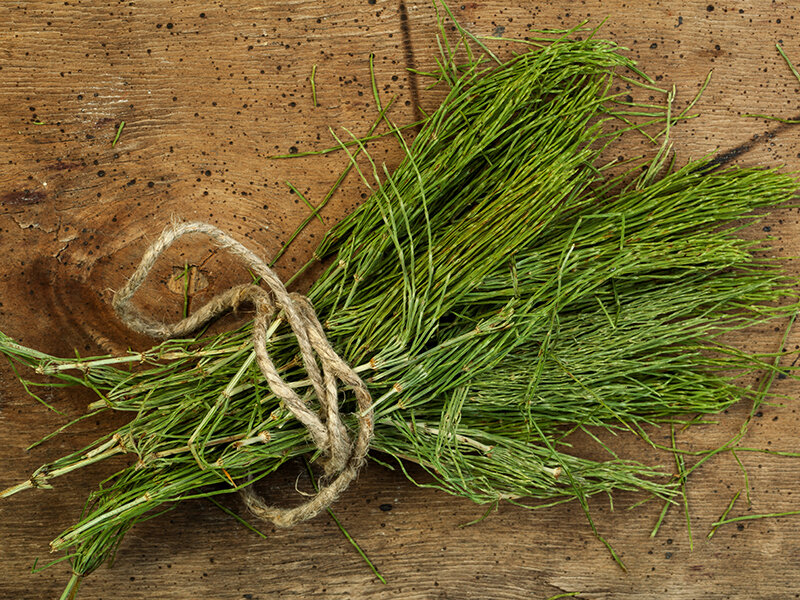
[(505, 286)]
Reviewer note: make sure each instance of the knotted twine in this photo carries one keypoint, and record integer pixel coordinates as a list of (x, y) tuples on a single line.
[(344, 458)]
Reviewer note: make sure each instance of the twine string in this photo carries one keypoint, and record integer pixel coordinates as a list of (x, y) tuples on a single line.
[(344, 457)]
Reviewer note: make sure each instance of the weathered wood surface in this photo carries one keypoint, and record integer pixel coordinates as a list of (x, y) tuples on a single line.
[(207, 91)]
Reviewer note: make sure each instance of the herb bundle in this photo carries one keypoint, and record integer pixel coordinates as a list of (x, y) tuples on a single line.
[(504, 287)]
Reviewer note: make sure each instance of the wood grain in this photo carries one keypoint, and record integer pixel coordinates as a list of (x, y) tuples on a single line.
[(207, 92)]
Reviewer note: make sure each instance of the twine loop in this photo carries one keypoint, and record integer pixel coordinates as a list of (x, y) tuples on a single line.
[(344, 457)]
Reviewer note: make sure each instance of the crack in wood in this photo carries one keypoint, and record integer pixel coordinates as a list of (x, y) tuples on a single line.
[(408, 50), (724, 158)]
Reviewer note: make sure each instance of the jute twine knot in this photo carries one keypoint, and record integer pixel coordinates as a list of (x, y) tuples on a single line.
[(344, 457)]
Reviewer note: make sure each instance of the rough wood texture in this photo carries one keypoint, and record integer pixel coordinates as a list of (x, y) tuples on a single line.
[(207, 91)]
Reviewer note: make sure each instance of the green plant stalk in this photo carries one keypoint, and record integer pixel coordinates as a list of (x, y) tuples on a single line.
[(313, 86), (796, 74), (724, 515), (119, 133), (725, 521), (344, 531)]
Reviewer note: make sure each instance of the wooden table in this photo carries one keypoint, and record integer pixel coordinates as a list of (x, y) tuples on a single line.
[(207, 90)]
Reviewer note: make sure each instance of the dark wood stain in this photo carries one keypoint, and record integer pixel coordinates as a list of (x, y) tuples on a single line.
[(62, 166), (724, 158), (22, 198)]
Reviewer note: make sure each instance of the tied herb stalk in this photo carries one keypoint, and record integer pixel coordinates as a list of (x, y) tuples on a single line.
[(501, 289)]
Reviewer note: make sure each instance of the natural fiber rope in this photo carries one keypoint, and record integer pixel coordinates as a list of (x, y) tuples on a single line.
[(344, 458)]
